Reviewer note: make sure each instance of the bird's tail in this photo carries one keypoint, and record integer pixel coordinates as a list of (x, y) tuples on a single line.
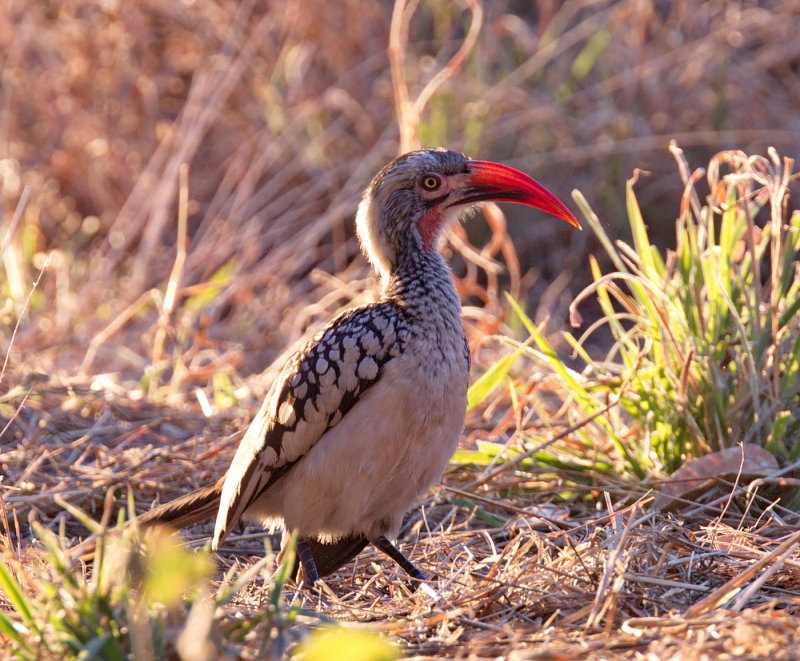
[(186, 510), (179, 513)]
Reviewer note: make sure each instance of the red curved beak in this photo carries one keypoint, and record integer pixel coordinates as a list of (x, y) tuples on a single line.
[(500, 183)]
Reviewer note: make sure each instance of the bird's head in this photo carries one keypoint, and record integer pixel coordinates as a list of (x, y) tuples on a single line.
[(411, 200)]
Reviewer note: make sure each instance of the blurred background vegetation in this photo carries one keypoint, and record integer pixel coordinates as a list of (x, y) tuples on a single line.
[(283, 111)]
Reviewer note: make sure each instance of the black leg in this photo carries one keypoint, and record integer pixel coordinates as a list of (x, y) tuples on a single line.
[(310, 574), (392, 551)]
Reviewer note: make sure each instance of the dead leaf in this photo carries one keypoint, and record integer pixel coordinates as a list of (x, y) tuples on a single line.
[(699, 474)]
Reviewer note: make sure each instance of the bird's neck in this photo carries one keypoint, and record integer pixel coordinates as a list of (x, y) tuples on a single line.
[(422, 284)]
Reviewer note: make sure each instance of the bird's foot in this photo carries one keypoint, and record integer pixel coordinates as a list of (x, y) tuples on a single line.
[(408, 567)]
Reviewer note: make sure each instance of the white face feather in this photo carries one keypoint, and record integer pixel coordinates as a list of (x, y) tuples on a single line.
[(374, 242)]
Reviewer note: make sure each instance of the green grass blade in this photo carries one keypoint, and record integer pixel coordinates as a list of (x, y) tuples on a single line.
[(594, 224), (10, 629), (102, 647), (492, 377), (477, 510), (652, 264), (17, 598), (88, 522)]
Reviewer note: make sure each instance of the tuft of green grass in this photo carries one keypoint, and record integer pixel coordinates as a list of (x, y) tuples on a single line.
[(120, 607), (706, 342), (144, 596)]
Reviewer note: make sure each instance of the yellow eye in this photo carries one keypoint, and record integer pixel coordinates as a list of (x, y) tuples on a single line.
[(430, 182)]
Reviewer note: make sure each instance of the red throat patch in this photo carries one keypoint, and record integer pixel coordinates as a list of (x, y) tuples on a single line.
[(429, 226)]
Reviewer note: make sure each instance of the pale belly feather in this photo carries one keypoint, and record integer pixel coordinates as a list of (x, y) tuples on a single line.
[(365, 473)]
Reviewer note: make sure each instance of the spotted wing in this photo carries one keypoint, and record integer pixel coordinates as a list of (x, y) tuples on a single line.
[(313, 392)]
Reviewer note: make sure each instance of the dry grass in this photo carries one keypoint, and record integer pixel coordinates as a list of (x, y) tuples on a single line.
[(166, 300), (535, 563)]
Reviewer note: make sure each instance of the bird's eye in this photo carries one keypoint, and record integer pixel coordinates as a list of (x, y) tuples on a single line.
[(430, 182)]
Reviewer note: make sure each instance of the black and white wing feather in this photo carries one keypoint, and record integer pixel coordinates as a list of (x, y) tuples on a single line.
[(313, 392)]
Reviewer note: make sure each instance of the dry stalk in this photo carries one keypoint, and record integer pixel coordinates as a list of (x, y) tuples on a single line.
[(170, 296), (409, 112), (734, 586)]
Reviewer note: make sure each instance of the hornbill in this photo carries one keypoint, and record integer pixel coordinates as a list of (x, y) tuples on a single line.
[(364, 417)]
